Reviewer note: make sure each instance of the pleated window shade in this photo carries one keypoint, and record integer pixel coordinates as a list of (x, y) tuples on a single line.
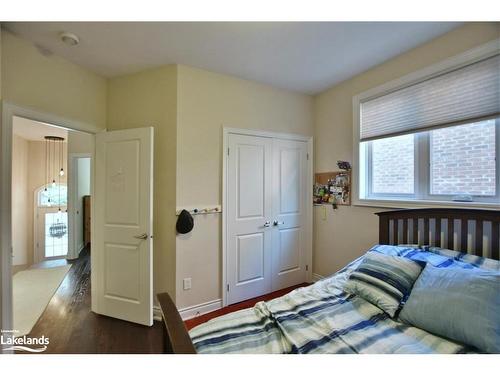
[(467, 94)]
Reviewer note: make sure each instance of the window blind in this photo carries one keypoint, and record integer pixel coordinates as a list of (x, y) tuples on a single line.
[(466, 94)]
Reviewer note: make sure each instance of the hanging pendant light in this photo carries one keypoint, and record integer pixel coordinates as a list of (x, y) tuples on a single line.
[(61, 169), (53, 144)]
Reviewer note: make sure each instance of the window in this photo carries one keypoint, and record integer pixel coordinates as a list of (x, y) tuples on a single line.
[(456, 163), (434, 136), (53, 195)]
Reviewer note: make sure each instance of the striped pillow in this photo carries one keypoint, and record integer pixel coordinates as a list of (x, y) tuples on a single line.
[(384, 280)]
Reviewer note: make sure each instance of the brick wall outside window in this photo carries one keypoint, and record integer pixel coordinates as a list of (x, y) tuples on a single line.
[(463, 159), (393, 165)]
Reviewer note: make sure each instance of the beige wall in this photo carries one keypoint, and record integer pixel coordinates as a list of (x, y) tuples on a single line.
[(50, 84), (346, 233), (206, 103), (80, 143), (144, 99), (20, 197)]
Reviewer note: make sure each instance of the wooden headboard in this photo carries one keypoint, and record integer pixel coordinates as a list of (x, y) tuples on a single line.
[(451, 229)]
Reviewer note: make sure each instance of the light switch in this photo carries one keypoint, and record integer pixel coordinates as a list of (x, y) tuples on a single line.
[(186, 283)]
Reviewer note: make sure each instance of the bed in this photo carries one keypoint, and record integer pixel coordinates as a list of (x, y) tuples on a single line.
[(323, 318)]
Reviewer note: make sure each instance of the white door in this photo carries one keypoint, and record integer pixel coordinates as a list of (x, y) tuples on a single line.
[(249, 216), (289, 213), (122, 246), (267, 246)]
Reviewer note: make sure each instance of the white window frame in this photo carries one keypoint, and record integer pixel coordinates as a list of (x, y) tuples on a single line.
[(422, 154)]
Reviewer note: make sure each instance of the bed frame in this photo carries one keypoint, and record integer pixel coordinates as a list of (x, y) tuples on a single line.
[(416, 226)]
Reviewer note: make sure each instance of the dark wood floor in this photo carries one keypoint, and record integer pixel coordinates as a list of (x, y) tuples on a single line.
[(72, 328)]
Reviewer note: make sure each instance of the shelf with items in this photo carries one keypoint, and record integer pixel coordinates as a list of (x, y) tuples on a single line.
[(333, 188)]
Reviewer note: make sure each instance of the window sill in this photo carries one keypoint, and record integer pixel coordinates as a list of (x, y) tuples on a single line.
[(393, 203)]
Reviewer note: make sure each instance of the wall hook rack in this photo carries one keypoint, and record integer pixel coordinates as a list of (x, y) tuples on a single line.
[(201, 211)]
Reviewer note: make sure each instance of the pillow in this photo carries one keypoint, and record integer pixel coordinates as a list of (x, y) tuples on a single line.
[(459, 304), (383, 280), (474, 260), (441, 259)]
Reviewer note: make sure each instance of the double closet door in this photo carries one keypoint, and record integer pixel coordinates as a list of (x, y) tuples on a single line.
[(266, 232)]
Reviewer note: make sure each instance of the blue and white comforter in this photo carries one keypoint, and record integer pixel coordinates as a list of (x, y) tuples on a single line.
[(322, 318)]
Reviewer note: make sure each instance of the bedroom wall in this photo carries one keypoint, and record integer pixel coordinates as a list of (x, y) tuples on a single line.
[(149, 98), (50, 84), (341, 236), (206, 103)]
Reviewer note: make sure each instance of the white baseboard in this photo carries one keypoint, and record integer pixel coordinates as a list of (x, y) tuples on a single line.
[(191, 311), (201, 309), (317, 277), (157, 313)]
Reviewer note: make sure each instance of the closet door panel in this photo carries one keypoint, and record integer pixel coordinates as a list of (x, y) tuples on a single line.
[(289, 205), (248, 209)]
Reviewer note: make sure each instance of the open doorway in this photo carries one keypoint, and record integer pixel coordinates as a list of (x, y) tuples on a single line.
[(51, 180)]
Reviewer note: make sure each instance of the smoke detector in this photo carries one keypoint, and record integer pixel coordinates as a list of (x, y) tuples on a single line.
[(69, 38)]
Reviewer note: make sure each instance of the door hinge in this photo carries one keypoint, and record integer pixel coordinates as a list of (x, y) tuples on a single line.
[(228, 151), (307, 267), (228, 288), (307, 156)]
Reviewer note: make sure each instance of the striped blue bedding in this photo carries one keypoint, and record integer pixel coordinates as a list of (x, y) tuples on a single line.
[(322, 318)]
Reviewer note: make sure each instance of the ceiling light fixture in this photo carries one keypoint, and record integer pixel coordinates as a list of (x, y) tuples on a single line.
[(69, 38)]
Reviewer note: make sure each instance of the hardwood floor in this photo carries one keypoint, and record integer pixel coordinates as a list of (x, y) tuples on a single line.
[(239, 306), (72, 328)]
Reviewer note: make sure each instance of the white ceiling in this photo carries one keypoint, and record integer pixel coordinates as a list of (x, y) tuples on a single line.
[(307, 57), (36, 131)]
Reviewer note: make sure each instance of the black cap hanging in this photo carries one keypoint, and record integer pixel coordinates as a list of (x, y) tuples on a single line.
[(185, 222)]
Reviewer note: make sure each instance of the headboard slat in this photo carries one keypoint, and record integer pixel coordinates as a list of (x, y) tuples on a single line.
[(451, 231), (405, 230), (426, 230), (437, 232), (415, 230), (478, 249), (395, 231), (464, 230), (479, 217), (494, 240)]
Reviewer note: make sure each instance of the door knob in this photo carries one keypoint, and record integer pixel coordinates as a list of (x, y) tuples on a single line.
[(143, 236), (276, 223), (267, 224)]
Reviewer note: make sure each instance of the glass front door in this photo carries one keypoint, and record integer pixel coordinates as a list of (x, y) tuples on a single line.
[(56, 234), (52, 222)]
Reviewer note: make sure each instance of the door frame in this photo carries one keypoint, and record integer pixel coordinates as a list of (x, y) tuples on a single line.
[(226, 131), (73, 251), (9, 110)]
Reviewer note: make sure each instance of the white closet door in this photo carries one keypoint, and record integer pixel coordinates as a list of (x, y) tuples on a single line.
[(249, 216), (289, 213)]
